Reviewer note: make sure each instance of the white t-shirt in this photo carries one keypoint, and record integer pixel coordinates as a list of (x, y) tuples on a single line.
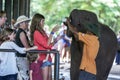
[(8, 59)]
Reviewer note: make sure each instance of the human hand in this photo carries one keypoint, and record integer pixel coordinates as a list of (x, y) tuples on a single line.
[(56, 28), (34, 47), (44, 60), (31, 48)]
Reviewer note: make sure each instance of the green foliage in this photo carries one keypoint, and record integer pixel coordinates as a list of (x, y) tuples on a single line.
[(54, 10)]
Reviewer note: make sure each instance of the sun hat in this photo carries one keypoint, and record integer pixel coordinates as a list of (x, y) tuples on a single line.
[(20, 19)]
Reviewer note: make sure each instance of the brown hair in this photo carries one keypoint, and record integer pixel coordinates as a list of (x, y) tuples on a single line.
[(4, 34), (2, 13), (32, 57), (35, 25), (1, 39)]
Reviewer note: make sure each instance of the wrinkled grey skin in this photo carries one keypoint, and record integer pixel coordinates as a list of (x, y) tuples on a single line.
[(107, 50)]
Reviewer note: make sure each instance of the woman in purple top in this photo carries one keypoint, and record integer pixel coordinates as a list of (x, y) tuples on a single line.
[(35, 70)]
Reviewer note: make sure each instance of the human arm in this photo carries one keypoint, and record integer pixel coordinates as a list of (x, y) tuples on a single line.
[(20, 49), (47, 57), (41, 40), (24, 40), (87, 38), (31, 74), (31, 48), (84, 37), (52, 33)]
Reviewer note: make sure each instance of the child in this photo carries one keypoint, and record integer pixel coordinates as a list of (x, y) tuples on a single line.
[(87, 67), (8, 68), (35, 64)]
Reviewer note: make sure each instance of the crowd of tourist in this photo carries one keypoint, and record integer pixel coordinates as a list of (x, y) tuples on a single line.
[(22, 36)]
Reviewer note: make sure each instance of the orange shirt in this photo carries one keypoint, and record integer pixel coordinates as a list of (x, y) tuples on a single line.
[(90, 50)]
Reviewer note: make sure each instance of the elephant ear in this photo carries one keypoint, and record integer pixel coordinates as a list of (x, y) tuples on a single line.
[(94, 28), (85, 20), (89, 21), (88, 16)]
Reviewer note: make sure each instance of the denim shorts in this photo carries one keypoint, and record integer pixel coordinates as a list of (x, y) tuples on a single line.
[(86, 75), (47, 63)]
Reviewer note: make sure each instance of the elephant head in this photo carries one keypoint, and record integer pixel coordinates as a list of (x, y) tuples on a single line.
[(108, 46)]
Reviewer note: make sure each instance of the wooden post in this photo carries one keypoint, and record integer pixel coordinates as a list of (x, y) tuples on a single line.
[(15, 9), (8, 7), (22, 8), (27, 13), (1, 2)]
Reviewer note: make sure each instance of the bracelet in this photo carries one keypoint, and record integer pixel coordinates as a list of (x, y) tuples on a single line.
[(52, 33)]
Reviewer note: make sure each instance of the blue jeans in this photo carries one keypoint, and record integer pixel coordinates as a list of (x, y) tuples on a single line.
[(86, 76), (9, 77)]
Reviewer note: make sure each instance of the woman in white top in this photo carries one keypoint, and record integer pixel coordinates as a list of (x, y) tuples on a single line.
[(8, 67)]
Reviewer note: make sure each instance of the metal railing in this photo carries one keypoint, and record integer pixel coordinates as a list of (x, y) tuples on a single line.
[(56, 60)]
